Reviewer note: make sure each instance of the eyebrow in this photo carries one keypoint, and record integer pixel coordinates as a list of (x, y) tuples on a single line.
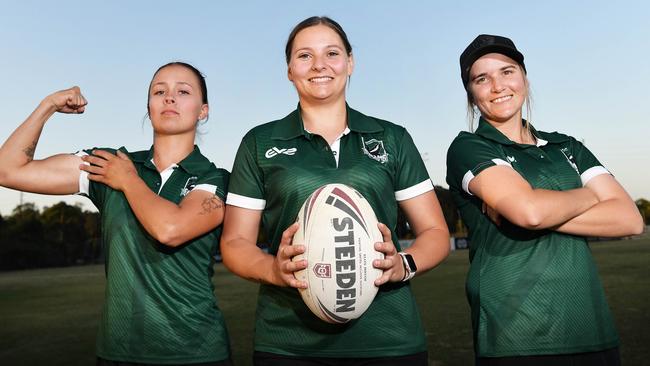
[(328, 46), (485, 73), (180, 82)]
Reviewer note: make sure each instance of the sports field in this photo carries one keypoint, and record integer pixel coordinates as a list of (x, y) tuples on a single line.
[(49, 317)]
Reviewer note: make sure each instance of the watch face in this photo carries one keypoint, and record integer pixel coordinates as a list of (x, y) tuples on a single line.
[(411, 262)]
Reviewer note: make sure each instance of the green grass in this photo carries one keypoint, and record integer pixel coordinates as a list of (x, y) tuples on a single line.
[(50, 316)]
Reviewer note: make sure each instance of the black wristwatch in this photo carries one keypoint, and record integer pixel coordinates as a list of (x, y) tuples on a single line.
[(409, 266)]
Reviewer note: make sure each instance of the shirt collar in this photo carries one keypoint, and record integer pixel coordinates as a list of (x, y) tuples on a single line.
[(192, 163), (292, 125), (486, 130)]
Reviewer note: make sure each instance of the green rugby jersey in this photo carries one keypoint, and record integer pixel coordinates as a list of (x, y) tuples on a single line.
[(278, 165), (531, 292), (159, 303)]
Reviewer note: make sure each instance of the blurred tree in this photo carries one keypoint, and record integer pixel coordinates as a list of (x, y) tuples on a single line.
[(23, 240), (449, 208), (644, 208), (65, 230), (93, 252)]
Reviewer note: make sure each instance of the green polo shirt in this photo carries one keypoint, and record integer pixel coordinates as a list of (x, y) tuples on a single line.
[(278, 165), (531, 292), (159, 305)]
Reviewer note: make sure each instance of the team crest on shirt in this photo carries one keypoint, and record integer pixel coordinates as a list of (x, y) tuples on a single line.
[(375, 150), (189, 185), (569, 157)]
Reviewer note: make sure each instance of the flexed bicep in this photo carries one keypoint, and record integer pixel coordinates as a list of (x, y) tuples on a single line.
[(57, 174)]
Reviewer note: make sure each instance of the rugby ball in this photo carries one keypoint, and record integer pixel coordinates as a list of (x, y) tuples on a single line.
[(339, 230)]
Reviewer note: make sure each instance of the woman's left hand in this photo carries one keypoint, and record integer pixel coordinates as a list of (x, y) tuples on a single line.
[(491, 213), (392, 263), (113, 170)]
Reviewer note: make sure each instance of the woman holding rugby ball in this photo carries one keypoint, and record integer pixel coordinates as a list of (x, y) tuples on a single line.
[(160, 212), (279, 164), (529, 198)]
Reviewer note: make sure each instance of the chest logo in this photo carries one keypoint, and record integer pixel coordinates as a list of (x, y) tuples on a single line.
[(569, 157), (274, 151), (189, 185), (511, 159), (375, 150)]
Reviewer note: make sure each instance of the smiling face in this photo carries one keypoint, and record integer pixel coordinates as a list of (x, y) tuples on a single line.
[(319, 65), (176, 101), (498, 87)]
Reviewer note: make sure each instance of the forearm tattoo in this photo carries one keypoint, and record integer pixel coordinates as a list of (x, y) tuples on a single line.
[(29, 150), (210, 204)]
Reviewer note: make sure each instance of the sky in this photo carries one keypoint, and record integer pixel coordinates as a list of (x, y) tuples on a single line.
[(587, 62)]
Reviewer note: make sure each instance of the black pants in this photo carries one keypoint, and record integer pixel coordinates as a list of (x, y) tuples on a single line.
[(272, 359), (103, 362), (608, 357)]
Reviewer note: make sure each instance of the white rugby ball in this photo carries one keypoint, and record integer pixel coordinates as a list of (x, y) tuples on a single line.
[(339, 230)]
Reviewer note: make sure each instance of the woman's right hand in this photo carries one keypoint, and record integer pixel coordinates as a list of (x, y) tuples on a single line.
[(67, 101), (283, 267)]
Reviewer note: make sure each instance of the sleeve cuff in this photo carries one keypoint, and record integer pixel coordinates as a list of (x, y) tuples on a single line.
[(591, 173), (84, 182), (206, 187), (413, 191), (470, 175), (245, 202)]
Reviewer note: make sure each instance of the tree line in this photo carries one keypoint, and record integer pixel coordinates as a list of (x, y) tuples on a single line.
[(59, 235), (64, 235)]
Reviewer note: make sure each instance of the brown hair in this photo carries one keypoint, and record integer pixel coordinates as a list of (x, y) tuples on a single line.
[(313, 21)]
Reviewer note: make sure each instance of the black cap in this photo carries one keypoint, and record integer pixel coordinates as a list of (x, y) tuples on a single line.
[(484, 44)]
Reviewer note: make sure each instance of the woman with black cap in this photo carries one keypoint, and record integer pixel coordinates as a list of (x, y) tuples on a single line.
[(529, 198)]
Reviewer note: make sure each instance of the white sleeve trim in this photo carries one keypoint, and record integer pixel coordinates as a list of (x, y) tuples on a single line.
[(591, 173), (413, 191), (469, 175), (245, 202), (84, 182), (206, 187)]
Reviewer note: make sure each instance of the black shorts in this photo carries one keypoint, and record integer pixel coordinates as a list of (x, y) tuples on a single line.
[(272, 359), (103, 362), (608, 357)]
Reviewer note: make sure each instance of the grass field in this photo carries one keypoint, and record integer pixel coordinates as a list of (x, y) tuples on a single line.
[(50, 316)]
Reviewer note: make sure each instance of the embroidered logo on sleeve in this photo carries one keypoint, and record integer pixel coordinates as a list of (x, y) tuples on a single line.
[(511, 159), (569, 157), (274, 151), (189, 185), (375, 150)]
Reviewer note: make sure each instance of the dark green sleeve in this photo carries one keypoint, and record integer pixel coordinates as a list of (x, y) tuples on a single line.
[(246, 182), (97, 191), (468, 156), (412, 177), (218, 178), (585, 162)]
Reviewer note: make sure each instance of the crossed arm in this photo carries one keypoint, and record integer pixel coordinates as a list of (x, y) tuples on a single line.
[(601, 208), (170, 223)]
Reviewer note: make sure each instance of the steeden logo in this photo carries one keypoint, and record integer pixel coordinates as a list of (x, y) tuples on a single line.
[(274, 151)]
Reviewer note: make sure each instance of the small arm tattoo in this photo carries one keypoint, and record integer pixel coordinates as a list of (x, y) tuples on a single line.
[(210, 204), (29, 150)]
